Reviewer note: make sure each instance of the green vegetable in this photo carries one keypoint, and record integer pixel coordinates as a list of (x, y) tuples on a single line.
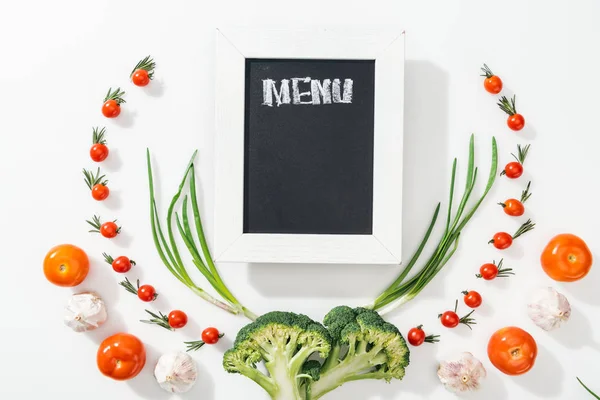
[(402, 289), (169, 252), (357, 344), (283, 341), (589, 391), (364, 347)]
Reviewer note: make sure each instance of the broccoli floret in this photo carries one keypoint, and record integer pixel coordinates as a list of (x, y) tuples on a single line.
[(283, 341), (364, 347)]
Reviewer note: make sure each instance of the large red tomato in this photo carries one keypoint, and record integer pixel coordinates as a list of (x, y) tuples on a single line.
[(66, 265), (121, 356), (566, 258), (512, 350)]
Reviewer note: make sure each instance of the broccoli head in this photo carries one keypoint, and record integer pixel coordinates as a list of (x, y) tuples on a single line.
[(364, 347), (283, 341)]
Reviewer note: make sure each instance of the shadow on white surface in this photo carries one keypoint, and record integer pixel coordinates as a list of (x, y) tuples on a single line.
[(586, 289), (156, 88), (113, 202), (427, 168), (127, 117), (101, 275), (426, 175), (578, 327), (145, 384), (123, 239), (493, 387), (113, 162), (421, 371), (204, 387), (546, 378)]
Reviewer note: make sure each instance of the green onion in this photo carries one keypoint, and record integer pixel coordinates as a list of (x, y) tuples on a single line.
[(588, 389), (401, 291), (169, 252)]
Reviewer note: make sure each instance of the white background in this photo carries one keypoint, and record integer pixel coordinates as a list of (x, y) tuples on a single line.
[(59, 58)]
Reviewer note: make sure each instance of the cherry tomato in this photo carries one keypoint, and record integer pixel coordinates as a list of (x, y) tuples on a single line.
[(66, 265), (502, 240), (121, 356), (513, 207), (450, 319), (100, 192), (122, 264), (211, 335), (512, 350), (513, 170), (109, 229), (111, 109), (472, 298), (147, 293), (488, 271), (99, 152), (493, 84), (416, 336), (566, 258), (140, 77), (516, 122), (177, 319)]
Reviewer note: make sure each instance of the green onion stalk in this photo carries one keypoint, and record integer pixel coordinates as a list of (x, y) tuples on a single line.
[(168, 251), (402, 289)]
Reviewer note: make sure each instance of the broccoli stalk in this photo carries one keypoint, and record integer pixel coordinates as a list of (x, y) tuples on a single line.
[(283, 341), (365, 347)]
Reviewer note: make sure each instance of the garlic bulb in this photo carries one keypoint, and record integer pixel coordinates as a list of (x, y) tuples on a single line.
[(85, 312), (462, 374), (176, 372), (548, 308)]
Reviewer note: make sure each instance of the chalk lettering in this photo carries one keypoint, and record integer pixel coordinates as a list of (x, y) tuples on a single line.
[(281, 97), (320, 92)]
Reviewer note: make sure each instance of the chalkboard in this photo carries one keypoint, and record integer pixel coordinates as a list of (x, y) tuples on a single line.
[(308, 147)]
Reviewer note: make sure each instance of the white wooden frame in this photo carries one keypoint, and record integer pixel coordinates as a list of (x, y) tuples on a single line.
[(386, 47)]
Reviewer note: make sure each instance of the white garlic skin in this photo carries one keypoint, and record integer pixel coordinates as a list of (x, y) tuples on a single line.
[(462, 374), (548, 309), (176, 372), (85, 312)]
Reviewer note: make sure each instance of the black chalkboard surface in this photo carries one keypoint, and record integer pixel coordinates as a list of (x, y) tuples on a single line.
[(309, 131)]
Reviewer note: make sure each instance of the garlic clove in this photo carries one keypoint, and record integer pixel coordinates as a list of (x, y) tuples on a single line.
[(176, 372), (85, 312), (548, 308), (462, 374)]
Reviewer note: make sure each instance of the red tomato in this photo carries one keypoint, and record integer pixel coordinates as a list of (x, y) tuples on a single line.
[(99, 152), (513, 170), (177, 319), (121, 356), (211, 335), (416, 336), (516, 122), (111, 109), (66, 265), (122, 264), (502, 240), (140, 77), (109, 229), (450, 319), (513, 207), (488, 271), (566, 258), (493, 84), (100, 192), (147, 293), (472, 298), (512, 350)]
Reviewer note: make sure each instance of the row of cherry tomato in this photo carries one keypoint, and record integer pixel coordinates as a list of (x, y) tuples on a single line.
[(501, 240), (141, 76)]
